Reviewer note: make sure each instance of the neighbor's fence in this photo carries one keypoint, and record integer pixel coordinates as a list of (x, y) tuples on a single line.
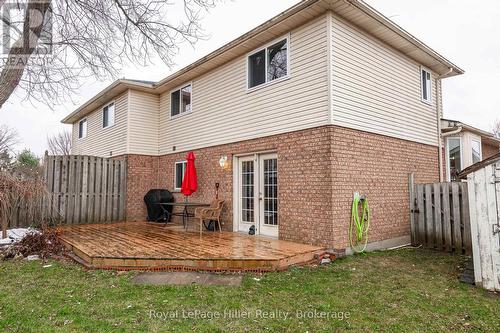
[(439, 216), (484, 205), (85, 189)]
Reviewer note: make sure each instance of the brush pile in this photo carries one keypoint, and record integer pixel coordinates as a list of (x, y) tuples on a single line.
[(42, 245)]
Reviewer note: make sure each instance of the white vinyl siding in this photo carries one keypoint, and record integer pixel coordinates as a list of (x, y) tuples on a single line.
[(103, 142), (377, 89), (224, 111), (143, 123)]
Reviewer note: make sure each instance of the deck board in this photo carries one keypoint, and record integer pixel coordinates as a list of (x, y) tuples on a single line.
[(142, 245)]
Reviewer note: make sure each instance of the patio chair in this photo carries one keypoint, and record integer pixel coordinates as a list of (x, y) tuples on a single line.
[(210, 214)]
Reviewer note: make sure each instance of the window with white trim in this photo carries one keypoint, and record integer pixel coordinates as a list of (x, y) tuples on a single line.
[(108, 115), (268, 64), (180, 168), (476, 151), (180, 100), (82, 128), (426, 85), (454, 157)]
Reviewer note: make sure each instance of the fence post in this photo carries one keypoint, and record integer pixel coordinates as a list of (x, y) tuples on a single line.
[(4, 221)]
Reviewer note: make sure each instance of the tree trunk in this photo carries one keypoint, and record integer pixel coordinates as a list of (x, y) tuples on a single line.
[(21, 51)]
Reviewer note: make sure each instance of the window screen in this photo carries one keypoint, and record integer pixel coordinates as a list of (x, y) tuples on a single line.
[(426, 86), (175, 99), (82, 128), (257, 69), (108, 115)]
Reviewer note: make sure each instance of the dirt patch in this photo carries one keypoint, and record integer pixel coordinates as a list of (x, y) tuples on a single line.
[(187, 278)]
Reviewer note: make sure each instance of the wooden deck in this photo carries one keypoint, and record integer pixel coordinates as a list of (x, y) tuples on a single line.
[(150, 246)]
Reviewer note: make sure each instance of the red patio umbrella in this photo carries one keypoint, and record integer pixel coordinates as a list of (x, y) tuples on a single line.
[(190, 181)]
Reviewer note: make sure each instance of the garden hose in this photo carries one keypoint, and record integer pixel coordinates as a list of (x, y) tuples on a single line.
[(358, 228)]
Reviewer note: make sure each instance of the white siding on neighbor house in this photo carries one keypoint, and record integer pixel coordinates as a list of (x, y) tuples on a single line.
[(377, 89), (103, 142), (143, 123), (223, 111)]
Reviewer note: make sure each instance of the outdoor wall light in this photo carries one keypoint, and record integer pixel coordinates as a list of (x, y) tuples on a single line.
[(223, 162)]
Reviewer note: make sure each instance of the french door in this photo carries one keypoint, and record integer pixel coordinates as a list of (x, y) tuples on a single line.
[(258, 194)]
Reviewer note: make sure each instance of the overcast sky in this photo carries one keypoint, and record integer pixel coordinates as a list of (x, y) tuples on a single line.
[(464, 31)]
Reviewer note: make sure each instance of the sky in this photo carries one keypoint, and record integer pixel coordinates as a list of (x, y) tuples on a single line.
[(464, 31)]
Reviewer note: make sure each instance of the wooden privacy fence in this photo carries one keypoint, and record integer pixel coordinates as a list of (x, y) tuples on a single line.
[(85, 189), (439, 217)]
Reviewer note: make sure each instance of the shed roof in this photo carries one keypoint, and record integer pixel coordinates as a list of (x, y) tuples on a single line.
[(479, 165)]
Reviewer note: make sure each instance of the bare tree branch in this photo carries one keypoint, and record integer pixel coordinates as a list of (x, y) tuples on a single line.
[(22, 49), (96, 38), (60, 144), (8, 138), (496, 128)]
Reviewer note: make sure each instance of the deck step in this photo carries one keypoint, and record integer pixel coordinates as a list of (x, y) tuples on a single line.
[(78, 260)]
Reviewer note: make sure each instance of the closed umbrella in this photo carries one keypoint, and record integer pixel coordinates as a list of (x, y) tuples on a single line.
[(190, 181)]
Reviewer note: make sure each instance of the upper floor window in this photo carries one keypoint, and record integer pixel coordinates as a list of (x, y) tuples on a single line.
[(180, 100), (108, 115), (426, 83), (180, 168), (476, 151), (82, 128), (268, 64)]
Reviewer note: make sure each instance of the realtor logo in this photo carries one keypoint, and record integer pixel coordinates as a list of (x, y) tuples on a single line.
[(26, 28)]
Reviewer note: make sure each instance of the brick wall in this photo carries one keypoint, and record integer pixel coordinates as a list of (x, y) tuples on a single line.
[(304, 180), (319, 169), (377, 166), (142, 175)]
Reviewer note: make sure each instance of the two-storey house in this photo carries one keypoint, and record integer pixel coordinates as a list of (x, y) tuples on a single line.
[(324, 100)]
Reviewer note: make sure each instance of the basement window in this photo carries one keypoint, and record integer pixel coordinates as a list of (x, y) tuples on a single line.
[(108, 115), (180, 101), (426, 85), (268, 64), (180, 168), (82, 128)]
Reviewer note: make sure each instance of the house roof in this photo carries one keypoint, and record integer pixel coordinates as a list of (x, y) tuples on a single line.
[(479, 165), (486, 137), (355, 11)]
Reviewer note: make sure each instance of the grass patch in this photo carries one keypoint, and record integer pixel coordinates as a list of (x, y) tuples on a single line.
[(404, 290)]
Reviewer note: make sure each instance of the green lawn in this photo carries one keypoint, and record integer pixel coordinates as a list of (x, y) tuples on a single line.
[(404, 290)]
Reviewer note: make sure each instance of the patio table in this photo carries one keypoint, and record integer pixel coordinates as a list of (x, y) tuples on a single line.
[(185, 213)]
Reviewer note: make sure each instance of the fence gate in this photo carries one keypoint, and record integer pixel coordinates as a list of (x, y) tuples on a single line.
[(439, 216), (85, 189), (484, 192)]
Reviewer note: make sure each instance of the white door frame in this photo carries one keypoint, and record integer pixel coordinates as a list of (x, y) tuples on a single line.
[(267, 230), (257, 158)]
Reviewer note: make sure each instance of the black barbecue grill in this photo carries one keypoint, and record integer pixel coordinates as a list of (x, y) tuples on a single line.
[(156, 212)]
